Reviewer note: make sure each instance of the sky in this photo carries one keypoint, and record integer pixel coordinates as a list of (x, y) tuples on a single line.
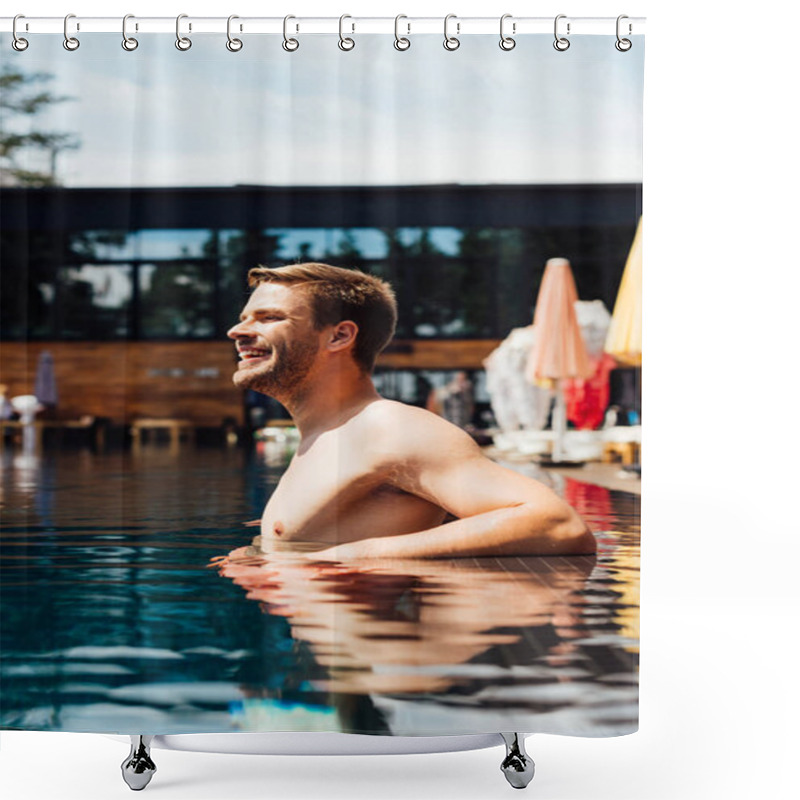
[(319, 116)]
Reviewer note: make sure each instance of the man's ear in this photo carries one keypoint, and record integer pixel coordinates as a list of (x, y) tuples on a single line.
[(343, 336)]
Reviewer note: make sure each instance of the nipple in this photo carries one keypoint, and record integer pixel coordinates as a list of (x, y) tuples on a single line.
[(278, 528)]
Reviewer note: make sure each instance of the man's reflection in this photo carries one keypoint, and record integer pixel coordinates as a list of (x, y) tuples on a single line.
[(398, 625)]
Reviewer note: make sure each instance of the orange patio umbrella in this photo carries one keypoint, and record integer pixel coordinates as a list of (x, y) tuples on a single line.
[(624, 339), (558, 351)]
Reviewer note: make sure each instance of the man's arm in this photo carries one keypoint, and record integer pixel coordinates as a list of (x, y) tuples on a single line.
[(500, 512)]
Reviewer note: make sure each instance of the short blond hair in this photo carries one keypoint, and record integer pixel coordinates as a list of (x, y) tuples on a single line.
[(339, 294)]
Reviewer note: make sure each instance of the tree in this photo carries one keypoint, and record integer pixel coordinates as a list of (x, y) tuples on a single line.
[(20, 98)]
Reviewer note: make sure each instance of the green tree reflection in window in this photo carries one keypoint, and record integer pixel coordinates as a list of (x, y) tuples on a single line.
[(176, 300), (93, 301)]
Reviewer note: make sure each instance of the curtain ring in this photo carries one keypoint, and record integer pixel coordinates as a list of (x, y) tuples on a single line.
[(451, 42), (561, 43), (346, 43), (234, 45), (401, 43), (623, 45), (128, 42), (181, 42), (506, 42), (18, 43), (289, 45), (70, 42)]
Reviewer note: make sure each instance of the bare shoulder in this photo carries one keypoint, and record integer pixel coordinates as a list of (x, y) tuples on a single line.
[(394, 430), (384, 413)]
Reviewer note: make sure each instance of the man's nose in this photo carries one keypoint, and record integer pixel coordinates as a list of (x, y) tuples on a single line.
[(239, 329)]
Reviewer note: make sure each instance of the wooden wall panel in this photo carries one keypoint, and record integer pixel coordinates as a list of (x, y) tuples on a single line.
[(126, 380), (191, 380), (437, 354)]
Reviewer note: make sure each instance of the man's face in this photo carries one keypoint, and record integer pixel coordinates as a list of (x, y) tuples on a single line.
[(275, 339)]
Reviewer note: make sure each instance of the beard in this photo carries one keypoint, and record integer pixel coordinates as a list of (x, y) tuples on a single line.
[(283, 371)]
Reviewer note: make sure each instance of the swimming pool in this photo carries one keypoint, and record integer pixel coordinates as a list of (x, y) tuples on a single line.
[(114, 618)]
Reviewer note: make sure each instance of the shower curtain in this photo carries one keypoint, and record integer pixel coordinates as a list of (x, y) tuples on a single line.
[(202, 540)]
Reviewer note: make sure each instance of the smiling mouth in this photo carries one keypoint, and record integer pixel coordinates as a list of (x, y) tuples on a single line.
[(253, 355)]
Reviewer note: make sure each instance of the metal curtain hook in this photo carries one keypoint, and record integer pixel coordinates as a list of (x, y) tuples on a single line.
[(18, 43), (234, 45), (561, 43), (346, 43), (506, 42), (289, 45), (70, 42), (451, 42), (181, 42), (401, 43), (623, 45), (128, 42)]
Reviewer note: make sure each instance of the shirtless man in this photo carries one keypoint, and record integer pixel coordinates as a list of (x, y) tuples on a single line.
[(375, 478)]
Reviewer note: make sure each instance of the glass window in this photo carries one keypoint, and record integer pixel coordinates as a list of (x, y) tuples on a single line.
[(414, 386), (300, 244), (443, 240), (30, 262), (176, 301), (453, 298), (93, 301), (101, 245), (147, 244), (172, 244), (26, 305)]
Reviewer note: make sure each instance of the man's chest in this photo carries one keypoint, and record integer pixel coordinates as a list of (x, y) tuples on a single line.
[(318, 493)]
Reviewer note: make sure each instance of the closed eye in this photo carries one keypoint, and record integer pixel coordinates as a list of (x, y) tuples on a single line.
[(266, 316), (261, 314)]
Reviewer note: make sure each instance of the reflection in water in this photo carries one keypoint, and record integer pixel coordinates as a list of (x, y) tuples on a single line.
[(112, 620), (502, 639), (410, 626)]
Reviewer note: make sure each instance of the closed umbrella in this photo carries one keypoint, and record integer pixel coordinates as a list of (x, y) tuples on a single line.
[(558, 351), (45, 387), (624, 339)]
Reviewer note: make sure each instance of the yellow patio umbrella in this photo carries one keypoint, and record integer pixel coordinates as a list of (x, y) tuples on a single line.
[(558, 351), (624, 339)]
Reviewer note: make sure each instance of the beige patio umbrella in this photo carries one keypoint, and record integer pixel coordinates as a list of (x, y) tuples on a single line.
[(558, 351), (624, 339)]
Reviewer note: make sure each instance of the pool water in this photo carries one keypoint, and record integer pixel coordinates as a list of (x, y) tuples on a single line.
[(118, 615)]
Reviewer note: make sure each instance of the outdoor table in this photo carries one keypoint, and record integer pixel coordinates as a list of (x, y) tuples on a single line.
[(176, 428)]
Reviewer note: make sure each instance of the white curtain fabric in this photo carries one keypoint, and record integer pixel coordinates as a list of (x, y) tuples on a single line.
[(113, 620)]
